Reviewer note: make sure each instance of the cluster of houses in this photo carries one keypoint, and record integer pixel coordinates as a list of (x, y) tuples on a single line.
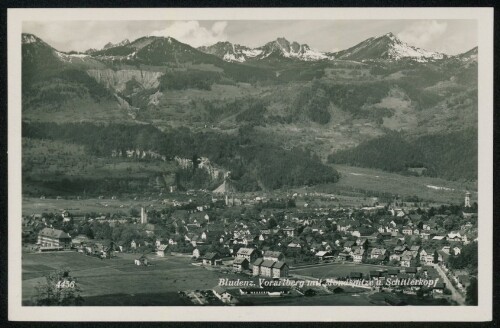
[(401, 238), (376, 250), (137, 153), (391, 239), (258, 247), (270, 264)]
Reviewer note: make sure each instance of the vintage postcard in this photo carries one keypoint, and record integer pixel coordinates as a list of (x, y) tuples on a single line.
[(221, 164)]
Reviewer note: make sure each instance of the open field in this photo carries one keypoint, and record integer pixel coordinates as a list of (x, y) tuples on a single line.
[(357, 180), (336, 270), (141, 299), (118, 282), (119, 276), (35, 205), (332, 299), (349, 191)]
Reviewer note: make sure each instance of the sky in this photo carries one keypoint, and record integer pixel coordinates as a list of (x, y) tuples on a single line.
[(447, 36)]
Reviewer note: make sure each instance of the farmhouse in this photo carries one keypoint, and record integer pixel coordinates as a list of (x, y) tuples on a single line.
[(273, 256), (343, 256), (323, 255), (268, 268), (50, 238), (240, 264), (161, 250), (221, 293), (454, 236), (280, 269), (79, 240), (407, 260), (211, 259), (247, 253), (359, 255), (378, 253)]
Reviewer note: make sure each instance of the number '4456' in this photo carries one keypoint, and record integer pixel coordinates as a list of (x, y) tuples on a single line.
[(66, 284)]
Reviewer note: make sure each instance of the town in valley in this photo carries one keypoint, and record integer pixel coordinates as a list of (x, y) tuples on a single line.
[(237, 249), (162, 171)]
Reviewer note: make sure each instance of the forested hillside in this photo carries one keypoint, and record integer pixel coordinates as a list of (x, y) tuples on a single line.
[(273, 119), (254, 164), (449, 155)]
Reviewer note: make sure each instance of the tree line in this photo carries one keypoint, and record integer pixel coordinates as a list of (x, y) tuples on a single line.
[(255, 163), (448, 155)]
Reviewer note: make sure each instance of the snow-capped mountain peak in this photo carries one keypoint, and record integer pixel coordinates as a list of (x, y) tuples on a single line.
[(112, 45), (282, 47), (279, 48), (400, 49), (230, 52), (387, 47)]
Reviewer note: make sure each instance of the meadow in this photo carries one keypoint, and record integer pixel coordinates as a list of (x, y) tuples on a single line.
[(103, 281), (336, 270), (33, 205), (357, 186), (436, 191)]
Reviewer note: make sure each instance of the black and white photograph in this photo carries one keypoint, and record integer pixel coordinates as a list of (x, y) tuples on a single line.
[(215, 162)]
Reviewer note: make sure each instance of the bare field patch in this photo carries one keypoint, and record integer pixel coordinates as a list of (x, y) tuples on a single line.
[(119, 275), (363, 181)]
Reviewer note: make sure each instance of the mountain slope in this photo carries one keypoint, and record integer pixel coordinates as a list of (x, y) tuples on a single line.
[(386, 47), (449, 155), (278, 90), (468, 56)]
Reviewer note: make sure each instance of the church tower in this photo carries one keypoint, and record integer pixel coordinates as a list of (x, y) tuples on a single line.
[(467, 199), (144, 216)]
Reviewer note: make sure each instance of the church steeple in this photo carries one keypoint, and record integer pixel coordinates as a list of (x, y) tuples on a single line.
[(467, 199)]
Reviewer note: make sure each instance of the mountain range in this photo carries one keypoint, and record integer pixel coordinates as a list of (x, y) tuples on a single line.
[(386, 47), (280, 48), (284, 97)]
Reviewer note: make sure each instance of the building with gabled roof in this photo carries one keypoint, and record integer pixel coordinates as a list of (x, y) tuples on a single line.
[(240, 264), (280, 269), (358, 255), (211, 258), (222, 294), (273, 255), (269, 268), (378, 253), (251, 254), (160, 251), (53, 239)]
